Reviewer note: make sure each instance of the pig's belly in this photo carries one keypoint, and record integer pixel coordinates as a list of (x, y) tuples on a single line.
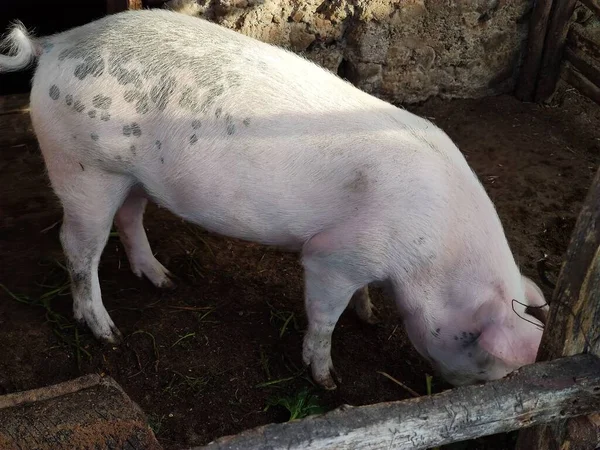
[(251, 206)]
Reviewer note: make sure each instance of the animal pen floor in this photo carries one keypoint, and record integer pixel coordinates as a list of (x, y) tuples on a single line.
[(204, 359)]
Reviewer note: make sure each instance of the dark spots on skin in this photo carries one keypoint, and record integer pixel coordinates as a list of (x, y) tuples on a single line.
[(358, 183), (69, 99), (468, 339), (124, 76), (92, 65), (470, 355), (229, 125), (54, 92), (92, 113), (188, 100), (132, 130), (211, 97), (158, 144), (82, 168), (101, 101), (456, 338), (105, 116), (162, 92), (47, 46), (218, 112), (141, 106), (132, 149), (94, 137), (162, 160), (131, 95), (193, 139), (78, 106), (246, 121), (196, 124)]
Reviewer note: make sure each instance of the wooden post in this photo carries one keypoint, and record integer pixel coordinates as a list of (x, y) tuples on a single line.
[(573, 325), (535, 47), (116, 6), (558, 27)]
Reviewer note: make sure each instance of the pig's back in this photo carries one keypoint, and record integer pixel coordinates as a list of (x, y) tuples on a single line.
[(210, 120)]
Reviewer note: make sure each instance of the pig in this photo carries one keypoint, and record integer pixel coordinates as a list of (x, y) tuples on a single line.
[(251, 141)]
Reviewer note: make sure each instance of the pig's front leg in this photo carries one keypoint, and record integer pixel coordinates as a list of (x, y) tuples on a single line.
[(361, 303), (327, 293)]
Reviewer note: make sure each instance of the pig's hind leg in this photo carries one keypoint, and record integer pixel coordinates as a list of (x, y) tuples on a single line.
[(129, 221), (363, 307), (90, 198)]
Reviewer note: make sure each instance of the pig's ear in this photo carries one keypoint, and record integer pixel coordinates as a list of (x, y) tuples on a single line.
[(536, 301)]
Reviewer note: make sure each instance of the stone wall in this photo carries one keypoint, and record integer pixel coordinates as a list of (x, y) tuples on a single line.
[(401, 50)]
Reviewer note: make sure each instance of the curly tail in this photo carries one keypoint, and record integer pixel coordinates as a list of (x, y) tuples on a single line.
[(22, 49)]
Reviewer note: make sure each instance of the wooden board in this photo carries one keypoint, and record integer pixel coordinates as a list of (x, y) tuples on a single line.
[(535, 394), (573, 325), (88, 412)]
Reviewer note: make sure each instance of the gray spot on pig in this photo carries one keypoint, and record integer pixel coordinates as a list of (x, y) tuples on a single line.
[(193, 139), (92, 65), (105, 116), (132, 130), (162, 160), (78, 106), (82, 168), (468, 339), (94, 137), (69, 99), (158, 144), (188, 100), (92, 113), (162, 92), (358, 183), (101, 101), (141, 107), (211, 97), (132, 148), (229, 125), (131, 95), (47, 46), (196, 124), (218, 112), (246, 121), (54, 92)]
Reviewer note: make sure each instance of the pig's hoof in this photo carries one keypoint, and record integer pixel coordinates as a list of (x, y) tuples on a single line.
[(101, 326), (158, 274)]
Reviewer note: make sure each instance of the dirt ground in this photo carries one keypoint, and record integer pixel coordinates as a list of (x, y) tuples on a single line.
[(205, 359)]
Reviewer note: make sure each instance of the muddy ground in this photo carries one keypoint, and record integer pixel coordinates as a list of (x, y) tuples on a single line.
[(206, 359)]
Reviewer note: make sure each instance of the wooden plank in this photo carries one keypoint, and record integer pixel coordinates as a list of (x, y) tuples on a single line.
[(574, 319), (10, 104), (584, 64), (534, 51), (558, 26), (538, 393), (88, 412), (594, 5), (582, 84), (576, 38)]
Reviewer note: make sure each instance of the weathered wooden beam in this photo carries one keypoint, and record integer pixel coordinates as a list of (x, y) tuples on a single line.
[(116, 6), (582, 84), (594, 5), (573, 325), (577, 39), (558, 26), (538, 393), (530, 70), (10, 104), (584, 64), (87, 412)]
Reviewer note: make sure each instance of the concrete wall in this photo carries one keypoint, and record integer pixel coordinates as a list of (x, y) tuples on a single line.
[(401, 50)]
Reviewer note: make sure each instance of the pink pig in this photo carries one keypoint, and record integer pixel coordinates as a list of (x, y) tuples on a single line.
[(251, 141)]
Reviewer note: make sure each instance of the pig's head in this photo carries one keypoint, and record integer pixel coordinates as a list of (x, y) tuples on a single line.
[(498, 338)]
